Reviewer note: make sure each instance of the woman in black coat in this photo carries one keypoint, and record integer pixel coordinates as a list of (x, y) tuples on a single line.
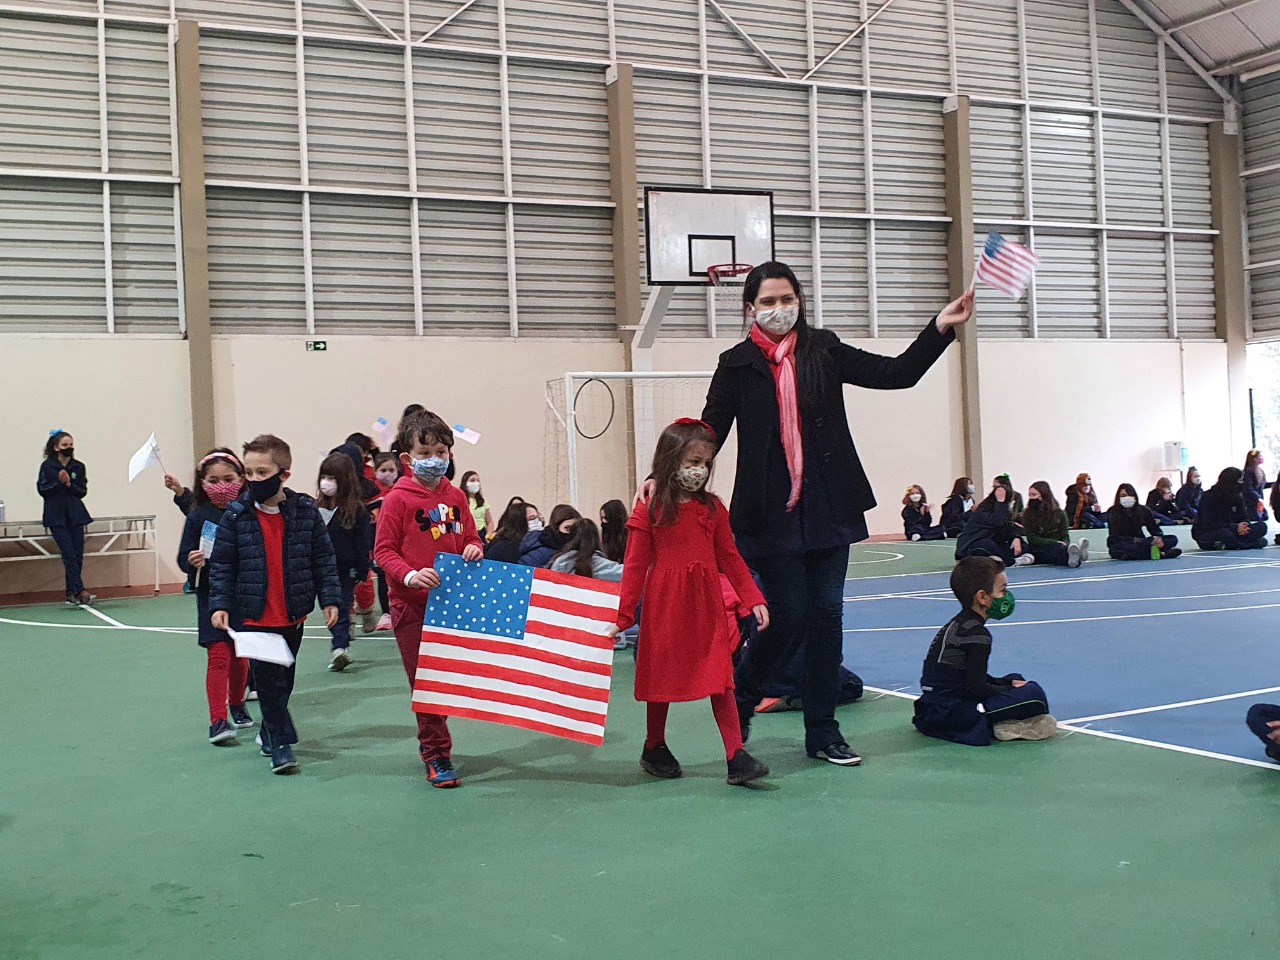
[(63, 483), (801, 493)]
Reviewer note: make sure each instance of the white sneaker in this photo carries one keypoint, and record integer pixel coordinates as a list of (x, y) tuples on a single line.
[(1025, 560), (340, 660), (1073, 556), (1043, 727), (915, 537), (1084, 550), (384, 622)]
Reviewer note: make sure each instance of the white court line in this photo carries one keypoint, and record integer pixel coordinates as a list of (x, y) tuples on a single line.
[(1067, 726), (109, 625), (102, 616), (1077, 601), (889, 557), (1114, 616), (1174, 706)]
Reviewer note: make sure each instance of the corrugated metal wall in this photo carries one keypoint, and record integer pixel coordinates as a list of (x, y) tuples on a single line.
[(460, 184), (1262, 197)]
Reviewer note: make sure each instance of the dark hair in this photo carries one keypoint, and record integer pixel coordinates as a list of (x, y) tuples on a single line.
[(463, 484), (961, 487), (411, 409), (613, 530), (814, 368), (973, 574), (51, 445), (1041, 517), (1165, 481), (208, 460), (381, 458), (906, 497), (347, 500), (1046, 495), (670, 453), (363, 441), (422, 427), (511, 503), (273, 446), (513, 525), (1121, 491), (559, 514), (585, 541), (1230, 477)]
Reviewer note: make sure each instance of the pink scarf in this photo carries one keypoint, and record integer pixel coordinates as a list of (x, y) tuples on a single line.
[(782, 361)]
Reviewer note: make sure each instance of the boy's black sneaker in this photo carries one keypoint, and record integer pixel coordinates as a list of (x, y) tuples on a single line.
[(744, 768), (1273, 751), (660, 762), (221, 733), (839, 753), (282, 759), (1171, 553), (240, 717)]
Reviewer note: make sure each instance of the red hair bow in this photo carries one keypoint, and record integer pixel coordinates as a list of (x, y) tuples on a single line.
[(690, 422)]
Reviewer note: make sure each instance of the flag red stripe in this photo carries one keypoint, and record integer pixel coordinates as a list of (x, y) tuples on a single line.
[(511, 699), (486, 717), (582, 583), (514, 650), (997, 269), (568, 634), (489, 671), (572, 608), (1017, 254)]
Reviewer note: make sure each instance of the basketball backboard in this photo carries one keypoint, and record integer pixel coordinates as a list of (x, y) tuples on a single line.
[(688, 230)]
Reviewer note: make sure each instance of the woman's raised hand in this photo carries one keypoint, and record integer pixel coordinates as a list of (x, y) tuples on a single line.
[(956, 312)]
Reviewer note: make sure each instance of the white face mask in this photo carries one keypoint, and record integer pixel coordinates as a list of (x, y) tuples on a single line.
[(473, 487), (971, 489), (328, 486), (386, 478), (916, 498), (1128, 502), (777, 320), (692, 478), (536, 525)]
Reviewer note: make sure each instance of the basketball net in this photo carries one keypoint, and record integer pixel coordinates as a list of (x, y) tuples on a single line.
[(726, 280)]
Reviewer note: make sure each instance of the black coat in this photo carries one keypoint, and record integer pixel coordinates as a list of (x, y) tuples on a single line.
[(63, 505), (1222, 510), (836, 493), (238, 569), (353, 548)]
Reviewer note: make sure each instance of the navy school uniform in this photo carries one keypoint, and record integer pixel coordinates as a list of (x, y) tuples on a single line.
[(989, 532), (1188, 499), (354, 551), (958, 700), (65, 515), (198, 577), (1125, 539), (1259, 715), (954, 513), (1221, 513), (919, 522)]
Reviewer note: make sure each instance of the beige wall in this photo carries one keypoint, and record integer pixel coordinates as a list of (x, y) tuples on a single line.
[(1049, 408)]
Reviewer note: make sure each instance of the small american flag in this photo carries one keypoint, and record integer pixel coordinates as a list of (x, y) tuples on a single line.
[(519, 646), (1006, 265)]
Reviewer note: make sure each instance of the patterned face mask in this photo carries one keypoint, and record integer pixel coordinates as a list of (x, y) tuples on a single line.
[(692, 479), (222, 495), (778, 320)]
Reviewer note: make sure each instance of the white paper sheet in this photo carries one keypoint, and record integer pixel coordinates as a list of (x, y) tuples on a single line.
[(262, 646)]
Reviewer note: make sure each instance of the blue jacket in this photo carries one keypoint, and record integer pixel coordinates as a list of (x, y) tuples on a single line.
[(63, 505), (537, 549), (238, 569), (353, 548), (198, 578)]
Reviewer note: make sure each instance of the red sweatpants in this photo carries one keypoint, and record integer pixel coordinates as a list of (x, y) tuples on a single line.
[(433, 730), (365, 593), (224, 680)]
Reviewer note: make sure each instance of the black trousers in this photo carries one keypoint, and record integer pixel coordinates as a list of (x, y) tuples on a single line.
[(70, 541), (274, 683)]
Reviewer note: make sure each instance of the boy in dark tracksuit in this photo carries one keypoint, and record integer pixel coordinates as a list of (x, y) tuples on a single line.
[(959, 701), (272, 557), (1263, 720)]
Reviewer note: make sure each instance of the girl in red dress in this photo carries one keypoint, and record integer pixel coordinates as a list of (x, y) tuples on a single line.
[(678, 546)]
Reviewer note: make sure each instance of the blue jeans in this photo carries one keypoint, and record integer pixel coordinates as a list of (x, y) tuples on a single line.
[(70, 541), (342, 629), (805, 593)]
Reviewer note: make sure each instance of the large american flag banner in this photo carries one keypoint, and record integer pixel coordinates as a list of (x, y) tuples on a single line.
[(1006, 265), (519, 646)]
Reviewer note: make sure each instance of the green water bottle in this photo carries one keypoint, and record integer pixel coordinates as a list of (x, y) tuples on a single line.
[(1155, 551)]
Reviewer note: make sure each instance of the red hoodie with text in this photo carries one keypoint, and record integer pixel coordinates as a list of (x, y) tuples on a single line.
[(417, 524)]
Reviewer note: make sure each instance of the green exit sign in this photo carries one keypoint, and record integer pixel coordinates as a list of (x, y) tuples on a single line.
[(317, 345)]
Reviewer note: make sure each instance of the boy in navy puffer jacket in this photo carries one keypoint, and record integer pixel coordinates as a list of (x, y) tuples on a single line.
[(272, 558)]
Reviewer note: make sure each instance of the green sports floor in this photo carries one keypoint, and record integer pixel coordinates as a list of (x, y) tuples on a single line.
[(123, 833)]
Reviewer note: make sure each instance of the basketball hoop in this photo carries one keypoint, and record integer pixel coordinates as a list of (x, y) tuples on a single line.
[(728, 279)]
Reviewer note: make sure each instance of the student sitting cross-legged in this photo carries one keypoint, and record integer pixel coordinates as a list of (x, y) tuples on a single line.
[(959, 701)]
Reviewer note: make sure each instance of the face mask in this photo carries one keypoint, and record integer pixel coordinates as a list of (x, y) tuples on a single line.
[(1128, 502), (1195, 482), (430, 469), (1001, 607), (328, 486), (916, 498), (473, 488), (536, 526), (386, 478), (222, 495), (68, 452), (971, 489), (264, 490), (692, 478), (778, 320)]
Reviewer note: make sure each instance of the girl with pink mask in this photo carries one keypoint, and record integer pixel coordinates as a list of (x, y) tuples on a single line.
[(219, 483)]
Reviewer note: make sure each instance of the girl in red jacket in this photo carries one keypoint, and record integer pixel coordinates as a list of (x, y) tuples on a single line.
[(679, 545), (423, 515)]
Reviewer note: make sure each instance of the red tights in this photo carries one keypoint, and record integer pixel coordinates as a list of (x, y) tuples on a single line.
[(224, 680), (723, 706)]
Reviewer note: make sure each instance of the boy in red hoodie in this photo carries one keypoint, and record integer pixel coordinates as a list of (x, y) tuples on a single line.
[(423, 515)]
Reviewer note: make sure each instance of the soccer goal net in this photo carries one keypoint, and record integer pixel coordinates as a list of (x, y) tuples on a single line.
[(601, 429)]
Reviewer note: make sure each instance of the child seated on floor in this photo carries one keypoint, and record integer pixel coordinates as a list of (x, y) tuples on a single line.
[(959, 701)]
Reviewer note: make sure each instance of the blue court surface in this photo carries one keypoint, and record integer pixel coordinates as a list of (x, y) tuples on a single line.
[(1168, 654)]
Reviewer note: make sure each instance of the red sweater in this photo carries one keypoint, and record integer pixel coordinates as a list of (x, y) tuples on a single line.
[(414, 526), (276, 612)]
